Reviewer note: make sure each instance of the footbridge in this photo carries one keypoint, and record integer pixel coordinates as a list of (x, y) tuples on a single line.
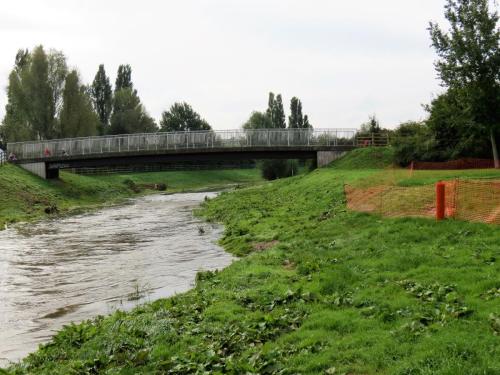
[(46, 158)]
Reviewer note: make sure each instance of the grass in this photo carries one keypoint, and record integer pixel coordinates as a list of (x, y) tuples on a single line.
[(25, 197), (332, 292)]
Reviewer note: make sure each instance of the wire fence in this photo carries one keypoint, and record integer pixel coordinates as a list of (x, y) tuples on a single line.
[(475, 200)]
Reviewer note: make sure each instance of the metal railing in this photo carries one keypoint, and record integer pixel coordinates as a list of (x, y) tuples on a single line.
[(271, 138)]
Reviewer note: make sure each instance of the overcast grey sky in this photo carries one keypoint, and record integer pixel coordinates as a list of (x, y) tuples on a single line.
[(344, 59)]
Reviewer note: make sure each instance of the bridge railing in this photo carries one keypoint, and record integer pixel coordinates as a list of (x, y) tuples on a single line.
[(183, 140)]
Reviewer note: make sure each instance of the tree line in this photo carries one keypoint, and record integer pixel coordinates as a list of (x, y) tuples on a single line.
[(46, 100), (275, 118), (464, 121)]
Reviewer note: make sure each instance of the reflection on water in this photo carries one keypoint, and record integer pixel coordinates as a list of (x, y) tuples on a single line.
[(55, 272)]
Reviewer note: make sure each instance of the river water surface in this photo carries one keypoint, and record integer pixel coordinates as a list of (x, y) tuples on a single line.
[(71, 269)]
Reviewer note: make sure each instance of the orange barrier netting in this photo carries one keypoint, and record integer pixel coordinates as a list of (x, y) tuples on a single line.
[(466, 163), (472, 200)]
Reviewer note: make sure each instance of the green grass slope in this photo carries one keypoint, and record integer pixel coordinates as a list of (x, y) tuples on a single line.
[(320, 290), (24, 196), (366, 158)]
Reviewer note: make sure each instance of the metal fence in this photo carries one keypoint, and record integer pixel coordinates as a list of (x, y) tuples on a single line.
[(183, 140), (3, 158)]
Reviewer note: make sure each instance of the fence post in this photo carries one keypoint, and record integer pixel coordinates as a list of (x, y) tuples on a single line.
[(440, 200)]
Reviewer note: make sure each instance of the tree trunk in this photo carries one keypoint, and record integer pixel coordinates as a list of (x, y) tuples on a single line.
[(494, 148)]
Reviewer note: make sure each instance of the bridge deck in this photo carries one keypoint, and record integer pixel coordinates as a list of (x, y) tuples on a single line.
[(202, 142)]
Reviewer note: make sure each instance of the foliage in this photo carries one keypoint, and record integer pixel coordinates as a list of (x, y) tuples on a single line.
[(102, 98), (258, 120), (296, 119), (469, 66), (274, 169), (77, 118), (129, 115), (372, 126), (415, 141), (182, 117), (36, 94), (337, 292), (276, 112), (124, 78)]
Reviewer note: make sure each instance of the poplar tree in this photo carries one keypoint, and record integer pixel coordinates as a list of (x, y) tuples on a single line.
[(124, 78), (77, 118), (102, 98), (278, 117), (295, 120)]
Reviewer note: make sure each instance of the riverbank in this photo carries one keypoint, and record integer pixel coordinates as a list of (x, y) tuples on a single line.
[(25, 197), (319, 289)]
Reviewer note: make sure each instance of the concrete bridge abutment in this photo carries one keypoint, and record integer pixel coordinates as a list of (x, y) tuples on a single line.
[(323, 158)]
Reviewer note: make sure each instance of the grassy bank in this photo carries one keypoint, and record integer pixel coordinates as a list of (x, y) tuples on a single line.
[(25, 197), (319, 290)]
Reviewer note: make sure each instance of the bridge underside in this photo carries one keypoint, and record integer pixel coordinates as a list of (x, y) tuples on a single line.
[(49, 167)]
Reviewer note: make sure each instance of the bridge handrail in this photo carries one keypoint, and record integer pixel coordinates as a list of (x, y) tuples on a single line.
[(243, 138)]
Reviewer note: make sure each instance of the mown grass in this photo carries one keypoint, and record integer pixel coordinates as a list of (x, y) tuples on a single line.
[(335, 292), (25, 197)]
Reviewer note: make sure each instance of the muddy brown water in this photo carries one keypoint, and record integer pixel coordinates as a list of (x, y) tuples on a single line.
[(71, 269)]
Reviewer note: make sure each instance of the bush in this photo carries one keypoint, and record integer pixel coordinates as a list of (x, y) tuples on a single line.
[(414, 141), (274, 169)]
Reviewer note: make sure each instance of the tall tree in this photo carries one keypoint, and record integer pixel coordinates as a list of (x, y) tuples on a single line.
[(129, 115), (182, 117), (469, 63), (278, 117), (271, 103), (57, 71), (295, 120), (41, 111), (77, 118), (102, 98), (124, 78)]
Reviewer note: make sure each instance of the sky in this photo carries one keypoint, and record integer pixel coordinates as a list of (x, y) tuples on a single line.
[(345, 60)]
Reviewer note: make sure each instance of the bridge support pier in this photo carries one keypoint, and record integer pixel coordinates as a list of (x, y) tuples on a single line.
[(323, 158), (41, 170)]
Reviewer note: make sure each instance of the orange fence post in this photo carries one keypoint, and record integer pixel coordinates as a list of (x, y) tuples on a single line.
[(440, 201)]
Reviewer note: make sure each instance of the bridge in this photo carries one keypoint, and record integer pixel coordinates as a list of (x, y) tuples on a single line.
[(46, 158)]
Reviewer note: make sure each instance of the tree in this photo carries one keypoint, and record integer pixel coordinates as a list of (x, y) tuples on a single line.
[(372, 126), (258, 120), (129, 115), (469, 63), (124, 78), (278, 117), (271, 103), (58, 69), (77, 118), (182, 117), (102, 98), (295, 120), (41, 106), (306, 124)]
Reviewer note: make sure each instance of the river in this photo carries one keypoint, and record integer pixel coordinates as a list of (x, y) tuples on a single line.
[(74, 268)]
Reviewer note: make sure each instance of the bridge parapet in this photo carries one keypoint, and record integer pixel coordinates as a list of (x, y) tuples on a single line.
[(217, 139)]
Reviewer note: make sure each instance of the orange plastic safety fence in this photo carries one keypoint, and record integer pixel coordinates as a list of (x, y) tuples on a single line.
[(472, 200)]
